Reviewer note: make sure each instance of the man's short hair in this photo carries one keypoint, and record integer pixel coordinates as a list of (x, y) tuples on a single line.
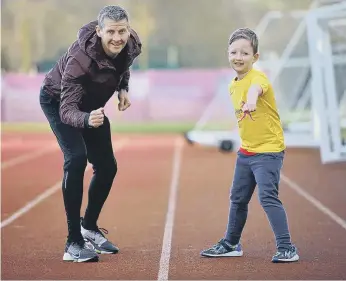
[(115, 13), (245, 33)]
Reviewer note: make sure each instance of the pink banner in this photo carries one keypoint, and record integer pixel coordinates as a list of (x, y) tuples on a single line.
[(156, 95)]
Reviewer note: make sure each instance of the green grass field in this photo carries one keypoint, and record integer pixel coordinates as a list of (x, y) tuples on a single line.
[(143, 128), (117, 128)]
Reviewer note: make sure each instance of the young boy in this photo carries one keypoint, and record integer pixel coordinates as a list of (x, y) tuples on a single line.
[(260, 158)]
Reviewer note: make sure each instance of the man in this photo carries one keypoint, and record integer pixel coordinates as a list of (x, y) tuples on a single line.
[(72, 98)]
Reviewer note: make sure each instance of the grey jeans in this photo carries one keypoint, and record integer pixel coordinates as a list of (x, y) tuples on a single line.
[(263, 170)]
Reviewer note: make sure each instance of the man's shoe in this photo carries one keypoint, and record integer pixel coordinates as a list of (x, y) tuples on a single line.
[(79, 252), (96, 240)]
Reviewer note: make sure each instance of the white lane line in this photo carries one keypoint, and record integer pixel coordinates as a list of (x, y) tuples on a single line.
[(167, 238), (314, 201), (28, 156), (50, 191)]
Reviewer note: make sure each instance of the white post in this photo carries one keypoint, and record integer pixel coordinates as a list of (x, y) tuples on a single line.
[(317, 86), (331, 95)]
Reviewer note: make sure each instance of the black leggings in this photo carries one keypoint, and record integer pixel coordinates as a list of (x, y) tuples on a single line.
[(78, 146)]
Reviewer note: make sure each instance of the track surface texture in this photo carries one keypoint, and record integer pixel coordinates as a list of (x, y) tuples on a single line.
[(169, 201)]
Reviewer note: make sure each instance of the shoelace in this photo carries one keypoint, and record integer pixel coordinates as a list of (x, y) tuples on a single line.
[(218, 246), (105, 231), (102, 231), (286, 253)]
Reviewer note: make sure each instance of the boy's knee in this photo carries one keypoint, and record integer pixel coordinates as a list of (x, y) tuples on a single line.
[(239, 199), (241, 194), (239, 205), (268, 197)]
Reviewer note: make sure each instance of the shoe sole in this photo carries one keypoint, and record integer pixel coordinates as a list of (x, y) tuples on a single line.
[(91, 245), (67, 257), (226, 255), (105, 252), (295, 258)]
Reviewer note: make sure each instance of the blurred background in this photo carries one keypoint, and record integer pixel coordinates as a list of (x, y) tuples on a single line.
[(181, 78), (178, 87)]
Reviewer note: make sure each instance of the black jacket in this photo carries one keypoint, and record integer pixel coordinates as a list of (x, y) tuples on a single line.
[(85, 78)]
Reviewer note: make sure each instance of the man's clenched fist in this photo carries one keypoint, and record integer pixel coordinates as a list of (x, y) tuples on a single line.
[(124, 101), (96, 117)]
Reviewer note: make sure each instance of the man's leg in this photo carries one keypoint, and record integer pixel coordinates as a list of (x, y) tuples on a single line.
[(266, 168), (73, 148), (241, 192), (100, 154)]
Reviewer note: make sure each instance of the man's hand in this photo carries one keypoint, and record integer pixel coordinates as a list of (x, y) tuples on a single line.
[(96, 117), (124, 101)]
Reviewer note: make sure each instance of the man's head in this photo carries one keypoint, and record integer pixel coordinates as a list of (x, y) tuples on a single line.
[(243, 50), (113, 29)]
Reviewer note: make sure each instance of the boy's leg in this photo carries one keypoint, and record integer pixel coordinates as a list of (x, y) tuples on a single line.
[(100, 154), (266, 168), (73, 148), (241, 193), (242, 189)]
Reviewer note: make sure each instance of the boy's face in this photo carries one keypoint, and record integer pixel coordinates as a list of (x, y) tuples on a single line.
[(241, 55), (114, 36)]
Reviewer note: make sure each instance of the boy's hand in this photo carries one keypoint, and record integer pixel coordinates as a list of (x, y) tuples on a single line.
[(96, 117), (246, 111), (249, 107), (124, 101)]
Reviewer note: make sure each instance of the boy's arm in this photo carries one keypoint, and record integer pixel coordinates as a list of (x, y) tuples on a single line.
[(252, 96), (259, 86)]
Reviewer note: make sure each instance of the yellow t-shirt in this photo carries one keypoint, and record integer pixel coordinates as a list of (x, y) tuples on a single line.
[(261, 130)]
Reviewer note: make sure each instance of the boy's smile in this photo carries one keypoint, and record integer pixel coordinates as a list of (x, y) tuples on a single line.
[(241, 56)]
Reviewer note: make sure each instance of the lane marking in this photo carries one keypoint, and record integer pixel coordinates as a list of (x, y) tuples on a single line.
[(172, 200), (47, 193), (28, 156), (313, 201)]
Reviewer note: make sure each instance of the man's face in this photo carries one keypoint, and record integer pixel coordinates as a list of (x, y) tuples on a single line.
[(241, 55), (114, 35)]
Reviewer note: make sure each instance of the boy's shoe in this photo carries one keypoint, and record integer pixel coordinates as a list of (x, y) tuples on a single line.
[(223, 249), (290, 255), (79, 252), (96, 240)]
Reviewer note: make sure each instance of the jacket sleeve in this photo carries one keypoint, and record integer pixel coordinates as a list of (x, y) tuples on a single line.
[(71, 95), (124, 83)]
